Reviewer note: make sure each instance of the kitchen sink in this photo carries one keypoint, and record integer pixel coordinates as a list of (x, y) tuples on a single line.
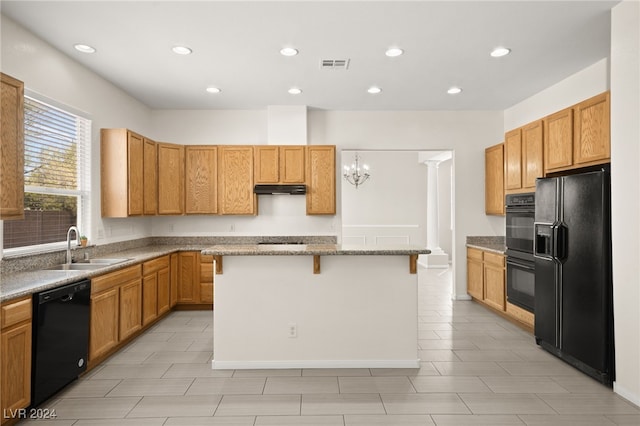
[(87, 265)]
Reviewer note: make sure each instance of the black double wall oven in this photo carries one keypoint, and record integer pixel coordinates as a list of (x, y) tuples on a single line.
[(520, 214)]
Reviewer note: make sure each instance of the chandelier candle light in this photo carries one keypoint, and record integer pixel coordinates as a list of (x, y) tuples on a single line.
[(356, 174)]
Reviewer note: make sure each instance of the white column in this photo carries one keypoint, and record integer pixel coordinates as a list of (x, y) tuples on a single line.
[(438, 258)]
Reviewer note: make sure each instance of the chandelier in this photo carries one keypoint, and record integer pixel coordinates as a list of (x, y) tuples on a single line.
[(356, 174)]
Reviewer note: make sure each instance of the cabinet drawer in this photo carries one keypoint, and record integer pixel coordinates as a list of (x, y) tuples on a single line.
[(475, 254), (15, 312), (155, 265), (494, 259), (104, 282)]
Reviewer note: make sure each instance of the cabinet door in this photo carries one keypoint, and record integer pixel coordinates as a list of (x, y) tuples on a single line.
[(164, 291), (475, 274), (11, 148), (494, 281), (235, 180), (130, 308), (532, 154), (189, 285), (149, 298), (105, 314), (201, 180), (292, 164), (494, 180), (150, 178), (513, 159), (558, 140), (266, 164), (174, 277), (321, 179), (170, 179), (591, 143), (135, 166), (16, 367)]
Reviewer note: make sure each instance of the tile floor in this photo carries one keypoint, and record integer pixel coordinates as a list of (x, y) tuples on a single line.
[(477, 369)]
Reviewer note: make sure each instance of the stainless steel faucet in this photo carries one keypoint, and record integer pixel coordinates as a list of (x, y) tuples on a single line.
[(75, 229)]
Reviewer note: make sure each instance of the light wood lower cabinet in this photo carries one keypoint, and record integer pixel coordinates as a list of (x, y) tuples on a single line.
[(196, 279), (155, 288), (486, 277), (494, 280), (173, 280), (116, 309), (15, 356)]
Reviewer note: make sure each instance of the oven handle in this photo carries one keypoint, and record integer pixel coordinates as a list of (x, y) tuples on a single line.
[(523, 265), (519, 209)]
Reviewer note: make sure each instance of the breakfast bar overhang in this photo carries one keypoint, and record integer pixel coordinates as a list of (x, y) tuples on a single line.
[(315, 306)]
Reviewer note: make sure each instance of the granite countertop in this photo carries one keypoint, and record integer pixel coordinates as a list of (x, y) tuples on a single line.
[(15, 284), (311, 250), (491, 244)]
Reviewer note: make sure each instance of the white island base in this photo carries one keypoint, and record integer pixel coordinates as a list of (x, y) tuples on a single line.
[(274, 312)]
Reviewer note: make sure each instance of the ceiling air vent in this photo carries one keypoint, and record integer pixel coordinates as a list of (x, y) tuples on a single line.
[(334, 64)]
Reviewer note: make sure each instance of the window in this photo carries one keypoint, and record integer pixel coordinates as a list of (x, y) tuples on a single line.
[(56, 176)]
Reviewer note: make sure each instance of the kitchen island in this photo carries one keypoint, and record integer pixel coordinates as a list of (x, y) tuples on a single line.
[(315, 306)]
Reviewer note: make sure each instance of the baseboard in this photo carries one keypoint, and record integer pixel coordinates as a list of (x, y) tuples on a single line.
[(626, 394), (462, 297), (272, 365)]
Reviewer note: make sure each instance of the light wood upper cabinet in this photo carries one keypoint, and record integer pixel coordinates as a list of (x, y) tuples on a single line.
[(494, 180), (266, 164), (591, 136), (523, 150), (578, 136), (513, 159), (170, 179), (121, 171), (532, 154), (321, 179), (201, 179), (15, 356), (279, 164), (235, 180), (11, 148), (292, 159), (558, 140), (150, 177)]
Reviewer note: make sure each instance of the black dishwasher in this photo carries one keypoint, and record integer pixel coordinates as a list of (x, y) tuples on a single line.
[(60, 338)]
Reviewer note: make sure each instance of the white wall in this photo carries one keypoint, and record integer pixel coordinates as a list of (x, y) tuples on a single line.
[(444, 206), (54, 75), (467, 133), (391, 207), (625, 194)]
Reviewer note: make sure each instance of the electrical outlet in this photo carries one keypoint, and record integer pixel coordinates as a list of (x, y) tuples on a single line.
[(293, 330), (100, 233), (232, 227), (171, 227)]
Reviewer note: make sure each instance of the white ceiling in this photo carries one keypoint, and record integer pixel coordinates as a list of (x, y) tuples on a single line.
[(236, 47)]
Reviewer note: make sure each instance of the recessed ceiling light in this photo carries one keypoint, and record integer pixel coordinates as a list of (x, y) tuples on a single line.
[(295, 91), (454, 90), (84, 48), (500, 51), (393, 52), (374, 90), (213, 89), (288, 51), (181, 50)]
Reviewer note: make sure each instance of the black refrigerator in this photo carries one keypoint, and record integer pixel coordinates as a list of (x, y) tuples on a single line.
[(573, 284)]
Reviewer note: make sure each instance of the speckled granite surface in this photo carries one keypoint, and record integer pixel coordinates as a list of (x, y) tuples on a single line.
[(26, 274), (311, 250), (492, 244)]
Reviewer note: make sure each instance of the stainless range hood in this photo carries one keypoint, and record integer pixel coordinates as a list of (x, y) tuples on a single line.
[(280, 189)]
